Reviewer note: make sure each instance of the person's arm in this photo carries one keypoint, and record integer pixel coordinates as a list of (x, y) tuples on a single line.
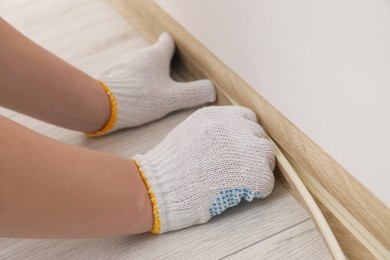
[(53, 190), (37, 83)]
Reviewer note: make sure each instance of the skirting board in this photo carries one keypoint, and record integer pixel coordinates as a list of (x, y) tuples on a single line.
[(359, 220)]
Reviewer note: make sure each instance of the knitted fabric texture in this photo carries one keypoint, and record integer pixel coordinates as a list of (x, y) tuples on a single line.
[(211, 161), (144, 90)]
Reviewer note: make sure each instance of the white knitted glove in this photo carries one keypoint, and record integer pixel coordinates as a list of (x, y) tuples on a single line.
[(208, 163), (141, 89)]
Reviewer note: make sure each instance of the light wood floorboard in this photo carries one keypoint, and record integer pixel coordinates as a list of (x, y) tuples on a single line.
[(90, 35), (283, 245)]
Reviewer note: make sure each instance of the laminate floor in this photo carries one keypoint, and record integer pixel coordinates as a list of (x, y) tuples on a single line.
[(90, 35)]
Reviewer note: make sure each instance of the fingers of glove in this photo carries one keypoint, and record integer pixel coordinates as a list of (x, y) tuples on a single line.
[(261, 146), (266, 151), (254, 128), (194, 93), (245, 113), (156, 58), (240, 112), (165, 46), (236, 112)]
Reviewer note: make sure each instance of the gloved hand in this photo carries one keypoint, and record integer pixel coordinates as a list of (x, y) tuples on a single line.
[(141, 89), (208, 163)]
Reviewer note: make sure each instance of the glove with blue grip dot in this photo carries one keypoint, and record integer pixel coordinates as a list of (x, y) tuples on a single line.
[(210, 162)]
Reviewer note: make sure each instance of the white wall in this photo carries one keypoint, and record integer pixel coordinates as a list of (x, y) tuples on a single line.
[(324, 64)]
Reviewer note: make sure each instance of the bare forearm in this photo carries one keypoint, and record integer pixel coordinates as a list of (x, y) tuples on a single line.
[(53, 190), (37, 83)]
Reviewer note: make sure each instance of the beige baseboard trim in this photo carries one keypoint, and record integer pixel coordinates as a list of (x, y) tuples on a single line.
[(369, 212), (361, 244), (300, 192)]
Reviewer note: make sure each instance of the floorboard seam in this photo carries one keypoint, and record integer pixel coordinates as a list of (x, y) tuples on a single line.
[(257, 242)]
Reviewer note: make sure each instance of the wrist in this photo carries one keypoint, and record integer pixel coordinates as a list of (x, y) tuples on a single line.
[(108, 115), (156, 222), (144, 205)]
